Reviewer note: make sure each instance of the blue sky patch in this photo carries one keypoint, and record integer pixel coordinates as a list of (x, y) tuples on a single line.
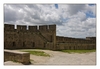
[(90, 14), (56, 5), (91, 4)]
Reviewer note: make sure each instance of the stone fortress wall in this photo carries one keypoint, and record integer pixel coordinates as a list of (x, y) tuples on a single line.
[(42, 37), (32, 38), (75, 43)]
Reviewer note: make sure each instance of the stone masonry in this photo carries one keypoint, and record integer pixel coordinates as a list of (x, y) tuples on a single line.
[(22, 57), (42, 37)]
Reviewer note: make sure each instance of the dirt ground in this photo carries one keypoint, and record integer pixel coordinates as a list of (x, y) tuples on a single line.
[(60, 58)]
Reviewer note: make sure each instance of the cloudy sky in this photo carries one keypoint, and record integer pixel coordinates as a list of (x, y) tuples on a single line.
[(72, 20)]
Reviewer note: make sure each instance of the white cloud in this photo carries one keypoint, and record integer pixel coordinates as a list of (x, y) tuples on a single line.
[(71, 19), (73, 9), (75, 28)]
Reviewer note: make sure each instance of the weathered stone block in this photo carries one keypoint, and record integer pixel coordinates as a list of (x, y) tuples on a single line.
[(22, 57)]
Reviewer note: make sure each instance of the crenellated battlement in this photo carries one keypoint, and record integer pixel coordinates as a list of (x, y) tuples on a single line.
[(8, 27), (18, 27), (52, 27), (24, 27), (30, 28), (43, 28)]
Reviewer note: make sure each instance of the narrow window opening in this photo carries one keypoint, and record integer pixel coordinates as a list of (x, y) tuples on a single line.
[(33, 44), (51, 38), (13, 43), (23, 44), (44, 45)]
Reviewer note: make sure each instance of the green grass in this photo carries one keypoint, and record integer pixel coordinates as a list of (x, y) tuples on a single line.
[(78, 51), (38, 53), (14, 61)]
